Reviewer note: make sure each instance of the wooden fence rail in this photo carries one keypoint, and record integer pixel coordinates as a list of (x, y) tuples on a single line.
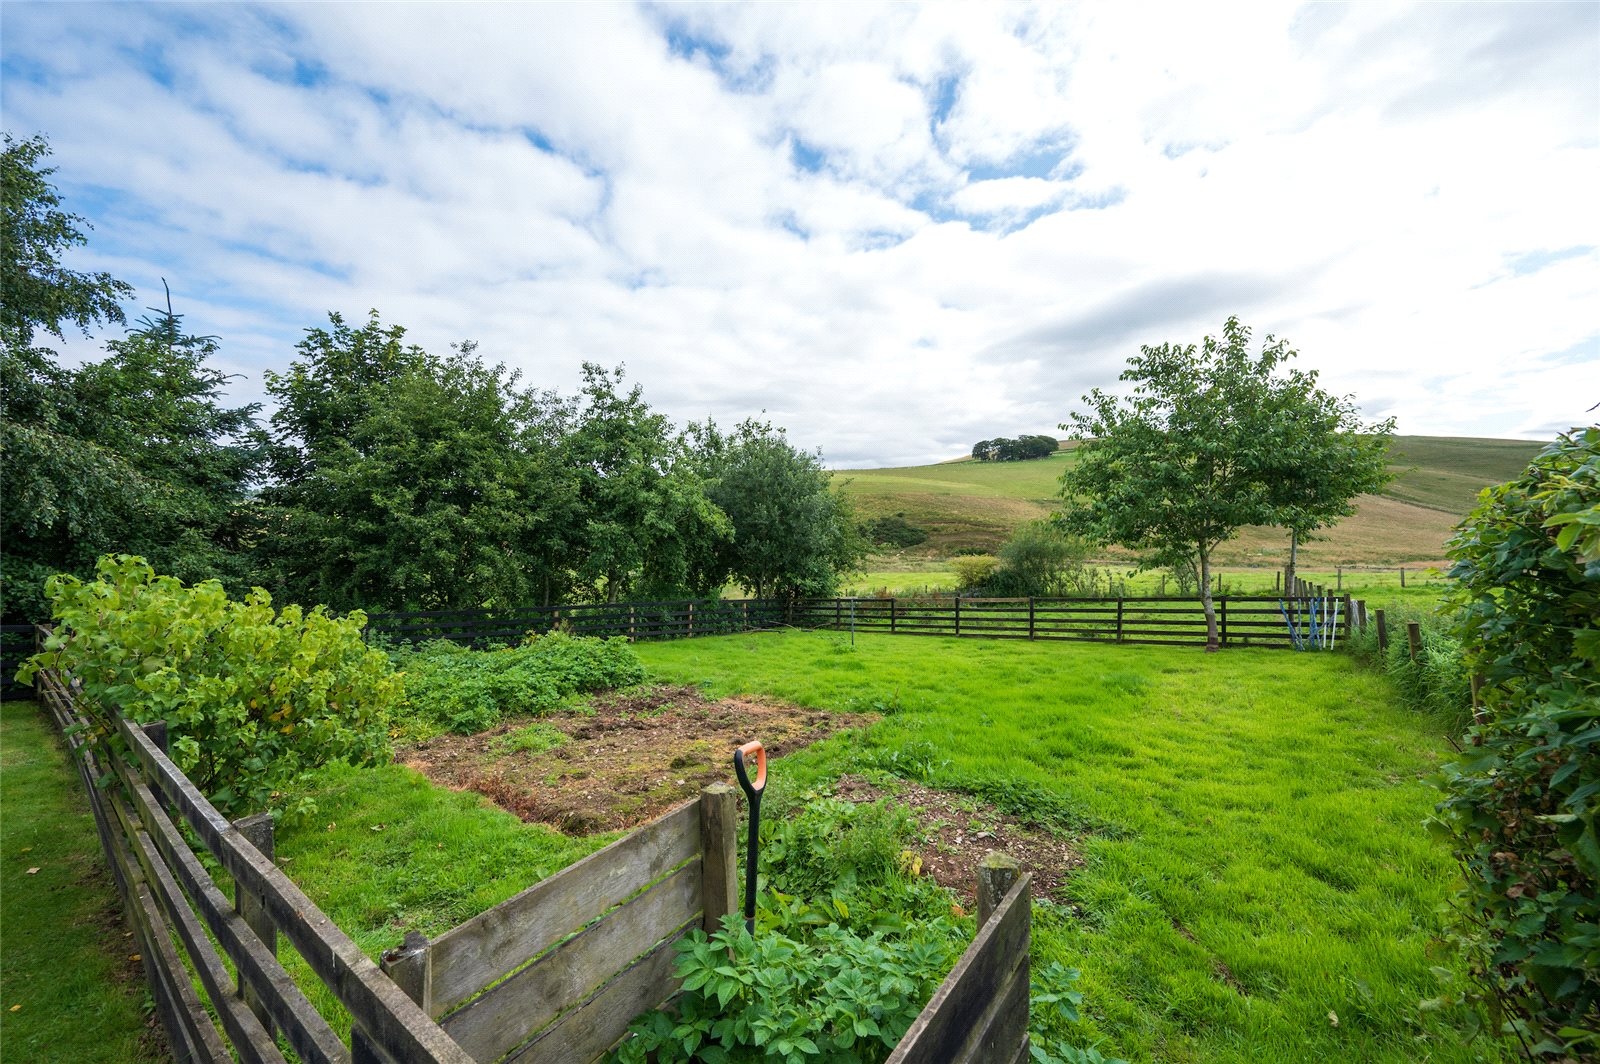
[(184, 921), (1242, 621)]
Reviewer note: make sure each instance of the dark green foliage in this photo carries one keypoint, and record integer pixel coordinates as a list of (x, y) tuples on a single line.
[(1520, 803), (252, 697), (36, 291), (838, 997), (408, 481), (1040, 560), (792, 532), (894, 531), (1018, 450), (471, 690)]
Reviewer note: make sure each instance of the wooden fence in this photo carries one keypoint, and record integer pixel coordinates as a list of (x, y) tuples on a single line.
[(556, 973), (183, 921), (1241, 621)]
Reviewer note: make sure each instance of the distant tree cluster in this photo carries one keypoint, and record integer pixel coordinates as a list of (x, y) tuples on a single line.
[(1017, 450), (894, 531), (388, 476)]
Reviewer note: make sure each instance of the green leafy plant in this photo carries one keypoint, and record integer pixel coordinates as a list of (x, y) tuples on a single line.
[(1053, 1007), (1519, 804), (535, 738), (252, 697), (842, 997), (468, 691)]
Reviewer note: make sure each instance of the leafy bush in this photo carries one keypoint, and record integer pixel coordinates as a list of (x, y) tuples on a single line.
[(252, 698), (1519, 804), (843, 997), (1040, 560), (894, 531), (471, 690), (974, 571)]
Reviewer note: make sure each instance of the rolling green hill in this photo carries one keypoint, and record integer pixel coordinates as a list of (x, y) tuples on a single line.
[(967, 505)]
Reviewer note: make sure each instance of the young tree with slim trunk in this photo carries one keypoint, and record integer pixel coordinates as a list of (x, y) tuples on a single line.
[(1202, 448)]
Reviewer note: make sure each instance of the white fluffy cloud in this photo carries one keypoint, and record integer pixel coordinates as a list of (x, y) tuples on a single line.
[(896, 229)]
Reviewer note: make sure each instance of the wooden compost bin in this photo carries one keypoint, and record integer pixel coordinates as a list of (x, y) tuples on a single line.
[(558, 972)]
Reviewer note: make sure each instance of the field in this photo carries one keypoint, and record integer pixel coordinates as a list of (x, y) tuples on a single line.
[(1229, 847), (967, 505)]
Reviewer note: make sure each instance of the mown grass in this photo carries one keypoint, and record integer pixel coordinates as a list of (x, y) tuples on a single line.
[(975, 505), (71, 986), (1258, 884)]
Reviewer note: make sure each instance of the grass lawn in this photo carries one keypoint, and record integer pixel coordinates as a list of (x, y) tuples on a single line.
[(1258, 885), (71, 987)]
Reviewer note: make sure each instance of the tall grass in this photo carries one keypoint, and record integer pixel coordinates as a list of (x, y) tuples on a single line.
[(1437, 680)]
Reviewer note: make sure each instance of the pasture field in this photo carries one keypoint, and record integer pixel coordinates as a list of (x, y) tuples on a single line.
[(71, 985), (974, 505), (1370, 583), (1257, 885)]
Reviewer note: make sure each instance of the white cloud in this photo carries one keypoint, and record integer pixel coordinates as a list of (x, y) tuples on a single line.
[(896, 228)]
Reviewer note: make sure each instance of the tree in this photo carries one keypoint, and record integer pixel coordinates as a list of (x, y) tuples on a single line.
[(36, 291), (428, 486), (1198, 451), (641, 506), (136, 452), (1039, 559), (793, 533), (1326, 458)]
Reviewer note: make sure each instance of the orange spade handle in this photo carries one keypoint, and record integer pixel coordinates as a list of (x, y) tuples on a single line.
[(752, 747)]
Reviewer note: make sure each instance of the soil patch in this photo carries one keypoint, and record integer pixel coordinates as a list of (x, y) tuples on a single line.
[(639, 754), (960, 829)]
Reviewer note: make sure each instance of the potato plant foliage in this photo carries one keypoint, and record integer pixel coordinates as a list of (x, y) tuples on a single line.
[(1520, 803), (252, 697)]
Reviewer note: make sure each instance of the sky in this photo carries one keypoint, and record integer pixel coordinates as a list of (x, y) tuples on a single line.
[(893, 230)]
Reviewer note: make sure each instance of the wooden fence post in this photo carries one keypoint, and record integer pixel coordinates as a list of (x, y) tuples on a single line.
[(1361, 615), (411, 968), (958, 615), (1277, 579), (1414, 637), (1383, 630), (1119, 618), (1030, 616), (257, 830), (631, 631), (1402, 576), (1349, 614), (1223, 618), (838, 614), (891, 614), (719, 815), (996, 873)]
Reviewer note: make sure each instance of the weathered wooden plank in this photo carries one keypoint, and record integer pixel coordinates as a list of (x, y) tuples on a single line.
[(249, 1039), (719, 884), (506, 1015), (1004, 1025), (584, 1033), (375, 1003), (308, 1033), (962, 998), (474, 954)]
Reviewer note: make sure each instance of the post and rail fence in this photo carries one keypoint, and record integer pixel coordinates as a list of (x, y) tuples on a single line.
[(1263, 621), (555, 973)]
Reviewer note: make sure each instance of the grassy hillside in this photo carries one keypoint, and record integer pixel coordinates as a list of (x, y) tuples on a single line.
[(967, 505)]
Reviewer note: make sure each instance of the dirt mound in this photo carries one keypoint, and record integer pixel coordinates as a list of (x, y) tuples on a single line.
[(638, 755), (960, 829)]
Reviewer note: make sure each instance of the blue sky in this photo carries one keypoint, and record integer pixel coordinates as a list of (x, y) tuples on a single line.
[(895, 229)]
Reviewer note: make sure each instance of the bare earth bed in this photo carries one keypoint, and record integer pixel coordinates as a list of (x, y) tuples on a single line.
[(960, 829), (638, 755)]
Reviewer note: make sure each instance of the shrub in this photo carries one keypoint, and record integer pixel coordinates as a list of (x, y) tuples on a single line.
[(1040, 560), (974, 571), (1437, 682), (252, 698), (471, 690), (1519, 804), (894, 531)]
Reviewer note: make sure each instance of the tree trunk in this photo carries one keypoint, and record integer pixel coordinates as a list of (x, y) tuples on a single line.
[(1288, 574), (1206, 603)]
